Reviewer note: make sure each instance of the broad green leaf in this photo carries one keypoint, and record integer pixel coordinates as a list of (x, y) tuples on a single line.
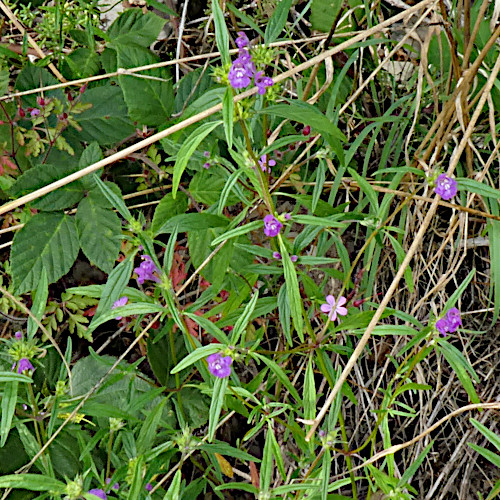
[(292, 289), (114, 287), (91, 154), (83, 62), (479, 188), (201, 352), (206, 187), (43, 175), (34, 77), (107, 121), (48, 241), (39, 303), (220, 387), (9, 401), (191, 86), (323, 13), (99, 230), (4, 81), (275, 25), (32, 482), (156, 100), (188, 148), (135, 27), (228, 115), (221, 33), (168, 208)]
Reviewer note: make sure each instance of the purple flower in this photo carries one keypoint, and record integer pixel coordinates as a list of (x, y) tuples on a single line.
[(219, 366), (34, 112), (206, 154), (277, 255), (241, 71), (446, 187), (242, 41), (120, 302), (294, 258), (145, 270), (450, 322), (115, 486), (333, 308), (23, 365), (265, 164), (18, 335), (206, 164), (262, 82), (148, 487), (272, 226), (99, 493)]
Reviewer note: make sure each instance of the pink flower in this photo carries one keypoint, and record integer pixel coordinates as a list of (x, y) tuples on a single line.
[(450, 322), (265, 164), (219, 366), (446, 187), (262, 82), (120, 302), (23, 365), (272, 226), (333, 308)]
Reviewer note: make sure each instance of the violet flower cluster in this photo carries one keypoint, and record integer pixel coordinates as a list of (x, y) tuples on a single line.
[(450, 322), (265, 164), (446, 187), (219, 366), (24, 364), (146, 271), (243, 68)]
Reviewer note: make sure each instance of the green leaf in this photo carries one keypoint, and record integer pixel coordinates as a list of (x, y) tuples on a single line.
[(220, 387), (9, 401), (135, 27), (491, 436), (266, 467), (479, 188), (209, 327), (310, 115), (494, 458), (32, 482), (193, 222), (113, 289), (228, 450), (107, 121), (292, 289), (39, 304), (323, 13), (228, 116), (99, 230), (91, 154), (168, 208), (309, 394), (206, 187), (82, 63), (188, 148), (410, 471), (173, 492), (156, 100), (275, 368), (284, 313), (14, 377), (116, 200), (460, 366), (367, 189), (149, 428), (493, 227), (278, 20), (136, 473), (221, 33), (237, 231), (42, 175), (201, 352), (400, 255), (47, 241), (244, 319)]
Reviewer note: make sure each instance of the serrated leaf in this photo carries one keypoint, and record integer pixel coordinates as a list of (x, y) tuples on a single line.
[(190, 87), (83, 63), (323, 13), (99, 230), (107, 121), (193, 222), (156, 100), (49, 241), (135, 27), (168, 208), (206, 188), (42, 175)]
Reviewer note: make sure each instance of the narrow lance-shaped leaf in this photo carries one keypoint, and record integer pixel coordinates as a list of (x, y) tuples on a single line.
[(220, 386), (9, 400)]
